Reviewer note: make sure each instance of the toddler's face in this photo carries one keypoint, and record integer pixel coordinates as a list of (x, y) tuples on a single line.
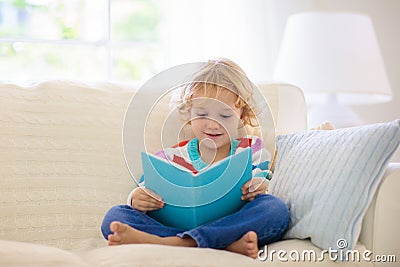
[(215, 120)]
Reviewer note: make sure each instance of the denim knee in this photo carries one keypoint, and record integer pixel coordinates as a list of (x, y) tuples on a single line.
[(277, 218), (279, 208), (283, 211)]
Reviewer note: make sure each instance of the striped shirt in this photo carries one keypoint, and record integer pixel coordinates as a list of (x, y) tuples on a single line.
[(186, 154)]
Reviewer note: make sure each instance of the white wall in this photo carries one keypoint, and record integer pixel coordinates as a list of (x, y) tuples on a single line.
[(386, 20), (197, 30)]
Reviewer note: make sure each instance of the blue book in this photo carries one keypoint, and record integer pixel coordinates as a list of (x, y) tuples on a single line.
[(195, 199)]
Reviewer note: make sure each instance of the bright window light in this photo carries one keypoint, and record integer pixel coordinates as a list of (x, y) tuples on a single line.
[(80, 39)]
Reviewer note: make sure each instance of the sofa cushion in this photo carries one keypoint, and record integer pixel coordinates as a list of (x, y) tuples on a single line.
[(27, 255), (62, 164), (328, 179)]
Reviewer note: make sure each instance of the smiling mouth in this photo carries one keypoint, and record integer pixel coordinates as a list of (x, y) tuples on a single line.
[(213, 135)]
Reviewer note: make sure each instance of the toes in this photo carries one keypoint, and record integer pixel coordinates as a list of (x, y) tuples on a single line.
[(252, 251), (114, 226), (253, 255), (251, 246), (114, 238), (111, 243), (252, 236)]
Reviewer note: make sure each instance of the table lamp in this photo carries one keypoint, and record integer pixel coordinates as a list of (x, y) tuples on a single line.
[(335, 59)]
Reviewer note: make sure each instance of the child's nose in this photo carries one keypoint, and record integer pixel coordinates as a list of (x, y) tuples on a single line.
[(212, 124)]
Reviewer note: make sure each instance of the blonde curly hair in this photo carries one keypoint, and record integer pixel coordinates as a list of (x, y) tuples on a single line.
[(212, 79)]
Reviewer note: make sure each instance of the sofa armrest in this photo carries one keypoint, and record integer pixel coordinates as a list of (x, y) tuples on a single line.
[(380, 233)]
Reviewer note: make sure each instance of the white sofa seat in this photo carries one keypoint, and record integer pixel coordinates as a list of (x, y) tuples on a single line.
[(28, 254), (62, 168)]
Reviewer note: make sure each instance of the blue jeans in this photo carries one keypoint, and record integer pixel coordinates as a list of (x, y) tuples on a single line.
[(266, 215)]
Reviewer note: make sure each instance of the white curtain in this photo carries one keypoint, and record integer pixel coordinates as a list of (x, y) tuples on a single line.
[(237, 29)]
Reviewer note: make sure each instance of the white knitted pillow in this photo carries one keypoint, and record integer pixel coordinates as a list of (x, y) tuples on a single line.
[(61, 161), (328, 178)]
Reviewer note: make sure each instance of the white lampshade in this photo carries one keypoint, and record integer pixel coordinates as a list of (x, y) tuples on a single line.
[(337, 53)]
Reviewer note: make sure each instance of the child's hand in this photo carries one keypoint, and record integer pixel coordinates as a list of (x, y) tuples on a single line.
[(253, 188), (144, 199)]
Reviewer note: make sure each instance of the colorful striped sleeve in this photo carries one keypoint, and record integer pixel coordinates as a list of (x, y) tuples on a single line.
[(260, 156)]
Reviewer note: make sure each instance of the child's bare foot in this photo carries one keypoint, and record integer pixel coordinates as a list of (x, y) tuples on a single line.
[(124, 234), (246, 245)]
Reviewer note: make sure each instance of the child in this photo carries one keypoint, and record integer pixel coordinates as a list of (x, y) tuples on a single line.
[(219, 103)]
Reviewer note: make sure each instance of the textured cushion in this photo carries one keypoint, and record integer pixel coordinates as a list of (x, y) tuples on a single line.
[(328, 179), (61, 161)]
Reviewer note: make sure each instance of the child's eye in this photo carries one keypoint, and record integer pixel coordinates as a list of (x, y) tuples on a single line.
[(226, 116), (201, 114)]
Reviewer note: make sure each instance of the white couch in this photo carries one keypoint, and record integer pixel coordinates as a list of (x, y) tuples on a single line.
[(62, 168)]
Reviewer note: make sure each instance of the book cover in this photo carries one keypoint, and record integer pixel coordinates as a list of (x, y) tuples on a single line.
[(195, 199)]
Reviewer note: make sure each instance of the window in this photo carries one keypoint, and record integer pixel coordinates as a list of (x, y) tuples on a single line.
[(131, 40), (80, 39)]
